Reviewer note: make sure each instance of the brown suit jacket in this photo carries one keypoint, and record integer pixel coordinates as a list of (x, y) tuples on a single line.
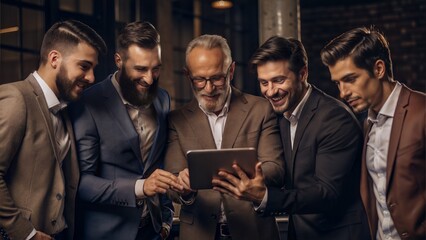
[(406, 169), (32, 183), (250, 123)]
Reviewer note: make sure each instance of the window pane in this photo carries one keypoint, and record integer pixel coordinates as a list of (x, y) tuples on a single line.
[(78, 6), (122, 11), (9, 23), (32, 28), (38, 2), (30, 63), (9, 67)]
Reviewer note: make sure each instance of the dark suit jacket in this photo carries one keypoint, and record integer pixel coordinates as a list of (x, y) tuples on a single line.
[(32, 183), (321, 192), (110, 164), (405, 170), (250, 123)]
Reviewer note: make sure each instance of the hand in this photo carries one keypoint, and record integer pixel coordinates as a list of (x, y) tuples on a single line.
[(164, 233), (183, 179), (41, 236), (159, 182), (242, 187)]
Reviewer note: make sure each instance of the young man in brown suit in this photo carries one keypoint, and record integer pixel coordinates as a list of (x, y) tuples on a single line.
[(38, 163), (393, 183)]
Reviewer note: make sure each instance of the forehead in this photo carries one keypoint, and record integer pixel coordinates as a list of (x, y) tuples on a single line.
[(83, 52), (272, 69), (200, 58), (343, 68), (143, 56)]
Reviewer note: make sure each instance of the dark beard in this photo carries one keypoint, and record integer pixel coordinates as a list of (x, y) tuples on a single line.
[(131, 94), (64, 85)]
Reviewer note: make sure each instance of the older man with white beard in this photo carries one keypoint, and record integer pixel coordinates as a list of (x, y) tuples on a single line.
[(220, 117)]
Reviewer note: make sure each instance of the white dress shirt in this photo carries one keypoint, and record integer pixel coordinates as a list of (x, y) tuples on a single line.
[(376, 157), (217, 125)]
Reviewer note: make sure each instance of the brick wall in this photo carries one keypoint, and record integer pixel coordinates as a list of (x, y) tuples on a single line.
[(403, 22)]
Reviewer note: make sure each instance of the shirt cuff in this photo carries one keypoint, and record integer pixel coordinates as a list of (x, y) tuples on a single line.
[(32, 234), (139, 189), (262, 206)]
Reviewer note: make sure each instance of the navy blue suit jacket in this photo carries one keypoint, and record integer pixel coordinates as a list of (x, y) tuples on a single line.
[(110, 163)]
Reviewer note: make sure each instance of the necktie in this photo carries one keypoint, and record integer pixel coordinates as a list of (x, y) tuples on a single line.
[(62, 137)]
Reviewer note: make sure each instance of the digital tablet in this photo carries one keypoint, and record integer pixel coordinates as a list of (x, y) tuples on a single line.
[(206, 163)]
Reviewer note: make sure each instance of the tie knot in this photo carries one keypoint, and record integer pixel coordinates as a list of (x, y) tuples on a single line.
[(57, 108)]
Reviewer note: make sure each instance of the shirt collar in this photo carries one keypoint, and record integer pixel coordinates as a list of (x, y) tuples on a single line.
[(388, 109), (52, 101), (225, 108), (295, 115)]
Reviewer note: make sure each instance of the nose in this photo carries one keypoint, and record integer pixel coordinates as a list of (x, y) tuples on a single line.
[(270, 90), (209, 87), (149, 77), (344, 90), (90, 76)]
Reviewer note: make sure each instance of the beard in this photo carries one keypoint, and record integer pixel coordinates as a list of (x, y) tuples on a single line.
[(65, 86), (131, 93), (216, 105)]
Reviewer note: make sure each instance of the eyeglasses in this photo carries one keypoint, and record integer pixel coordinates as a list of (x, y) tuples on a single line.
[(217, 80)]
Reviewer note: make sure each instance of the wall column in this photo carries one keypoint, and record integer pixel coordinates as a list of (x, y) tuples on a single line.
[(279, 17)]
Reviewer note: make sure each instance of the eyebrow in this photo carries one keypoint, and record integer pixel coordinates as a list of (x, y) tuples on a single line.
[(345, 77), (86, 62), (145, 67), (274, 78)]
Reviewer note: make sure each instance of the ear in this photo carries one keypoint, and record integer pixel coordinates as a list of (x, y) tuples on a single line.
[(231, 71), (379, 69), (54, 59), (118, 61), (303, 74)]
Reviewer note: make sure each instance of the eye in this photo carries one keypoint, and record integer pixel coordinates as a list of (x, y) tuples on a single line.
[(216, 78), (279, 80), (263, 82)]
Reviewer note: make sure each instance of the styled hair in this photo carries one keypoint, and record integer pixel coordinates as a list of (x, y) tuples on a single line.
[(364, 45), (210, 42), (63, 36), (278, 48), (143, 34)]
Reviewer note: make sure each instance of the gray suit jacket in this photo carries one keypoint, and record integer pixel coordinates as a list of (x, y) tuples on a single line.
[(250, 123), (321, 192), (32, 183), (110, 164)]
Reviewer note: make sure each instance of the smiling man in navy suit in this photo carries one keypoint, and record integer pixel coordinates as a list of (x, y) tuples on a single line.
[(121, 130)]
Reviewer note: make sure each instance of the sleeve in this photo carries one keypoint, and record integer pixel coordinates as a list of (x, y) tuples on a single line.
[(12, 131), (335, 155), (270, 150), (93, 188)]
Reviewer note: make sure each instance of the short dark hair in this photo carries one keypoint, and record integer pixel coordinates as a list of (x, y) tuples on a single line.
[(143, 34), (278, 48), (63, 35), (364, 45)]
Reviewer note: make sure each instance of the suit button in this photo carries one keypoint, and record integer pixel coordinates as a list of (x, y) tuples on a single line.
[(53, 222), (392, 205), (59, 196), (404, 234)]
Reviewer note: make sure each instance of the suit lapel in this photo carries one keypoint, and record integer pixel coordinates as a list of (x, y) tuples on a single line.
[(238, 111), (306, 115), (285, 139), (117, 110), (44, 109), (398, 120), (200, 125)]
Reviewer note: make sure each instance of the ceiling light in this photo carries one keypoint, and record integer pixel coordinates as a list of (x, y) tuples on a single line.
[(222, 4), (8, 30)]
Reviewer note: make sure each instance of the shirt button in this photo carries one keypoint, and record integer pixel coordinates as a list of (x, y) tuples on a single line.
[(59, 197)]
